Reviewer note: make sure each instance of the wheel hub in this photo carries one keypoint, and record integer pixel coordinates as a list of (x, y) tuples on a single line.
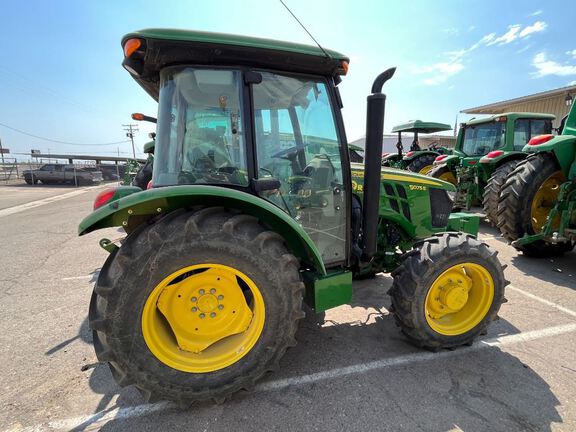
[(203, 309), (459, 298), (449, 294)]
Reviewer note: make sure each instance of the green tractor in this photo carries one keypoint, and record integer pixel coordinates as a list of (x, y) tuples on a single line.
[(537, 207), (486, 151), (143, 177), (416, 160), (252, 217)]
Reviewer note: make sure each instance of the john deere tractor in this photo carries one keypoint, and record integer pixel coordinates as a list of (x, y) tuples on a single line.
[(537, 207), (255, 209), (486, 151), (416, 159)]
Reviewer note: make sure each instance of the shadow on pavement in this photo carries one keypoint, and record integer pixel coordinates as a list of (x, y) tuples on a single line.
[(484, 389)]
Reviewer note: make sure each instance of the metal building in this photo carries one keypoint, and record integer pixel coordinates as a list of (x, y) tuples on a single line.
[(555, 102)]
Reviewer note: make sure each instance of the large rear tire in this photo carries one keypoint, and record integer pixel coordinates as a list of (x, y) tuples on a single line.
[(442, 172), (525, 201), (493, 188), (447, 290), (422, 164), (196, 306)]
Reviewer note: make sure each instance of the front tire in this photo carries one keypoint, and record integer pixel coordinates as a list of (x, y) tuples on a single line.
[(447, 290), (197, 306), (525, 201), (493, 188), (422, 164)]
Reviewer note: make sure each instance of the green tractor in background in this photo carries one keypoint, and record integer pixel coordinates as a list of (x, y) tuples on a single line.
[(486, 151), (537, 206), (255, 209), (416, 160), (143, 177)]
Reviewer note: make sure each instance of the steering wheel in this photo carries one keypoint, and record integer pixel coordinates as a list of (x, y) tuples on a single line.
[(292, 151)]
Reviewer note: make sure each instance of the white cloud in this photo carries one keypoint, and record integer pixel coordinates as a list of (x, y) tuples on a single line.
[(545, 67), (571, 53), (538, 26), (471, 28), (440, 72), (535, 13), (517, 32), (510, 36), (451, 30), (572, 83)]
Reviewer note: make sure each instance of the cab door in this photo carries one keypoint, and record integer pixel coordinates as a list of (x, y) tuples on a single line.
[(297, 143)]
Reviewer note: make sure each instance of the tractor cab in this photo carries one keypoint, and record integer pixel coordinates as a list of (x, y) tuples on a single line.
[(416, 159), (273, 134)]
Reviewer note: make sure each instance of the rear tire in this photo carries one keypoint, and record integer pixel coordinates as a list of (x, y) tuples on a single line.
[(515, 217), (493, 188), (442, 172), (430, 263), (422, 164), (211, 237)]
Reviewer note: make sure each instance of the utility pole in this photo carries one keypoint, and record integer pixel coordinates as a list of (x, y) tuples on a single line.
[(130, 130), (1, 152)]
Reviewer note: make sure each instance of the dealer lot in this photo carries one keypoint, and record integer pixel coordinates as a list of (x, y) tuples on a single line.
[(353, 372)]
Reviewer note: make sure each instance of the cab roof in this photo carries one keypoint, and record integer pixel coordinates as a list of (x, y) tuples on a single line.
[(512, 116), (421, 126), (170, 47)]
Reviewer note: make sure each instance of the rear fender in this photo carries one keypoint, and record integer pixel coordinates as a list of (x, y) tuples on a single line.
[(450, 161), (489, 165), (563, 147), (418, 154), (139, 208)]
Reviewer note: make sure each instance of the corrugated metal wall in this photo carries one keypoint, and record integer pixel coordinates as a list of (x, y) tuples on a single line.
[(554, 105)]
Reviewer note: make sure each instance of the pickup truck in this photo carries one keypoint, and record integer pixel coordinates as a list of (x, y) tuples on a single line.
[(56, 173)]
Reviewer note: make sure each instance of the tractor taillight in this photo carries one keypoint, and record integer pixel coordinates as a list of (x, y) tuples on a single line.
[(440, 158), (540, 139), (149, 185), (492, 155), (410, 153), (131, 45), (103, 197)]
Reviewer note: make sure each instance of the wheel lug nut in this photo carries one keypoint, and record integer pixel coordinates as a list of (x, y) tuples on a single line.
[(194, 299), (220, 307), (220, 297), (202, 315), (212, 290), (213, 314), (194, 309), (201, 292)]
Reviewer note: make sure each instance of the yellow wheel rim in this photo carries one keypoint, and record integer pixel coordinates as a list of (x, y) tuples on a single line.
[(426, 169), (459, 299), (449, 177), (544, 199), (203, 318)]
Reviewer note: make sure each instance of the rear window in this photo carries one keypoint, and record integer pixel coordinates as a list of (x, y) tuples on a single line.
[(483, 138), (525, 129)]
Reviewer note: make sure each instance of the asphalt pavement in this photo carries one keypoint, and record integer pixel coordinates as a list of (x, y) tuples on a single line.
[(355, 371)]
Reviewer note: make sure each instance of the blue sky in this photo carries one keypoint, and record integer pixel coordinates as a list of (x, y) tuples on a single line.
[(60, 73)]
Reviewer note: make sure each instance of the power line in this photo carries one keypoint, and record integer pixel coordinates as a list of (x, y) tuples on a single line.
[(61, 142)]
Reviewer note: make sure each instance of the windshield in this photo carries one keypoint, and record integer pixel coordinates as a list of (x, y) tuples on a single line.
[(483, 138), (200, 138)]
